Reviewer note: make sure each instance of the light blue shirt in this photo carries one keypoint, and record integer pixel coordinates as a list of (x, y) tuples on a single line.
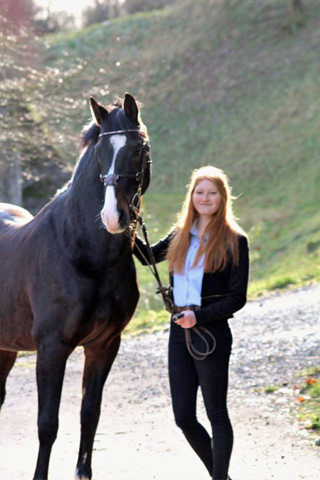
[(187, 286)]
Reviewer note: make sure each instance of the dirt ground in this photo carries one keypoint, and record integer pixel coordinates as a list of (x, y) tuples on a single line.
[(137, 439)]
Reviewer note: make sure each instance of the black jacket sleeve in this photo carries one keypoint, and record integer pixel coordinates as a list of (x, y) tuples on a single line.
[(159, 249), (236, 296)]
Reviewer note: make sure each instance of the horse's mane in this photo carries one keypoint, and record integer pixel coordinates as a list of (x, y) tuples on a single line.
[(90, 134)]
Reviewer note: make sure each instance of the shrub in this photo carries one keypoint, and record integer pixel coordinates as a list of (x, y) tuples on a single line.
[(134, 6)]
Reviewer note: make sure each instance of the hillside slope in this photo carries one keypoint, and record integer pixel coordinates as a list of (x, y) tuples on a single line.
[(225, 83)]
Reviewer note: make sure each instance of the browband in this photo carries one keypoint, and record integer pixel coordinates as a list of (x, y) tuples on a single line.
[(122, 131)]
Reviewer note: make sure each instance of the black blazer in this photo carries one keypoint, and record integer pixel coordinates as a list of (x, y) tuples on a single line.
[(222, 293)]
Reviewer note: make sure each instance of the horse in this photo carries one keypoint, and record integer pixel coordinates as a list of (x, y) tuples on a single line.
[(67, 275)]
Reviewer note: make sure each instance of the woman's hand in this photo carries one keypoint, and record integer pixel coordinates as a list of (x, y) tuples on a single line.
[(188, 320)]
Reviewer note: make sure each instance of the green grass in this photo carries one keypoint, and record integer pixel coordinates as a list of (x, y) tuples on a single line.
[(235, 87), (309, 411), (311, 371), (270, 389), (306, 405), (146, 321)]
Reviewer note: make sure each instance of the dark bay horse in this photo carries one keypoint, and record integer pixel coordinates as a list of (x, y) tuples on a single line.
[(67, 276)]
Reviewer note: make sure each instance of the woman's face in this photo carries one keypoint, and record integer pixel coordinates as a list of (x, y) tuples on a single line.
[(206, 198)]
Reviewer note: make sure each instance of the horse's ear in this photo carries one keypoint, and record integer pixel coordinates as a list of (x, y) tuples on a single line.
[(99, 113), (130, 107)]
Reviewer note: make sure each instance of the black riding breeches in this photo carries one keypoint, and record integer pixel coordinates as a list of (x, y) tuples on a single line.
[(186, 375)]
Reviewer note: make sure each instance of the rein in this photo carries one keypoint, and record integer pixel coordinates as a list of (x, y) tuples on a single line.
[(166, 293), (192, 350)]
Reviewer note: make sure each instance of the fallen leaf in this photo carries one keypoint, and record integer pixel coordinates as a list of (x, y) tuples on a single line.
[(301, 398), (311, 381)]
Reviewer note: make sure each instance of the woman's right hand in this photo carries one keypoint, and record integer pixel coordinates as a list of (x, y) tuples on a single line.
[(188, 320)]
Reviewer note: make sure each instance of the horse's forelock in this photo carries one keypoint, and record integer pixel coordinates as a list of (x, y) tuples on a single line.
[(118, 103)]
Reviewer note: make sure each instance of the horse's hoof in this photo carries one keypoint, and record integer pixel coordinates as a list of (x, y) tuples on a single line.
[(80, 476)]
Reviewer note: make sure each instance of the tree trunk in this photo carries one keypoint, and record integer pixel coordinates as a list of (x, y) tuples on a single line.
[(10, 179), (297, 12)]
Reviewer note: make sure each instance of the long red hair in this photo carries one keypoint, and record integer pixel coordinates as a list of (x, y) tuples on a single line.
[(222, 230)]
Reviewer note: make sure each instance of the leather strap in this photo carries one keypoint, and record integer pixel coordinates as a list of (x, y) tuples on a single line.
[(200, 331), (196, 354)]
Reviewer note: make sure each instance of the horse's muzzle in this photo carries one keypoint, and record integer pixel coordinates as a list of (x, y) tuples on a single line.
[(117, 223)]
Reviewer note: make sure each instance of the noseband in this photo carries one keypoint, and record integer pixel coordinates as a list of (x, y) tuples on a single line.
[(112, 180)]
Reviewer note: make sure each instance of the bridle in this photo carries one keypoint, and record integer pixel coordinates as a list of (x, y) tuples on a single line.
[(112, 180)]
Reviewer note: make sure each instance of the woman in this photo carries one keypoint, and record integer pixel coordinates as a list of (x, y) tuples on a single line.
[(209, 265)]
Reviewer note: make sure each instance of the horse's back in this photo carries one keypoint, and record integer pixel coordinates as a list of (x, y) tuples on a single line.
[(12, 215)]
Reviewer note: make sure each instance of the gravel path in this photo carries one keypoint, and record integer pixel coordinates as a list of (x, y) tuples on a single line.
[(274, 340)]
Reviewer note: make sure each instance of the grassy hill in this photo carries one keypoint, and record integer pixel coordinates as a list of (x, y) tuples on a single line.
[(229, 83)]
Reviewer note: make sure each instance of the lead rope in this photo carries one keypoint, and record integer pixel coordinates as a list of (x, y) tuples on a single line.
[(191, 348), (164, 291), (168, 302)]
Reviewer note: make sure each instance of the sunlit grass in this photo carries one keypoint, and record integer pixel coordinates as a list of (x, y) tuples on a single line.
[(258, 120), (147, 321), (223, 83)]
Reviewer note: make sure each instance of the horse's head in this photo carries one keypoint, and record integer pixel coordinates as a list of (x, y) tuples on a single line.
[(123, 154)]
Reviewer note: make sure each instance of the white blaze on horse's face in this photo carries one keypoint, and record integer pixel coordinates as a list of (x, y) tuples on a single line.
[(109, 213)]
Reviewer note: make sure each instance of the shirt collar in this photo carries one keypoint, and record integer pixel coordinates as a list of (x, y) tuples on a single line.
[(194, 231)]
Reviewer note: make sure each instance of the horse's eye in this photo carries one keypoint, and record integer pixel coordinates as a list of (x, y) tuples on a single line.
[(136, 153)]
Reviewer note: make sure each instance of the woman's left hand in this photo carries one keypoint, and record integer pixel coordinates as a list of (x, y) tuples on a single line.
[(188, 320)]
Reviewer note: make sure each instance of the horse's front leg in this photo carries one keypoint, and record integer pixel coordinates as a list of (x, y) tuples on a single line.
[(98, 362), (7, 360), (51, 362)]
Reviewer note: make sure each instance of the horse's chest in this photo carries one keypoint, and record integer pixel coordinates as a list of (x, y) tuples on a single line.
[(120, 303), (112, 310)]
